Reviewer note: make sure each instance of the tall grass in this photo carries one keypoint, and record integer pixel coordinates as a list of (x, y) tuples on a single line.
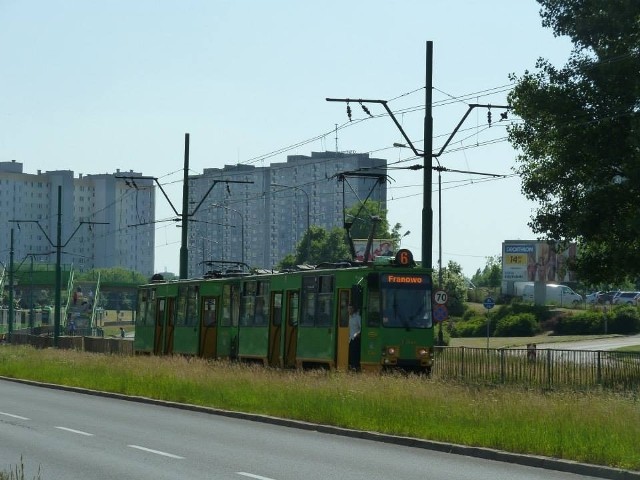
[(596, 427), (16, 472)]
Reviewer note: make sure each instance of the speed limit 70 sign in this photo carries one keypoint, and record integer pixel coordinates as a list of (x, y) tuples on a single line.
[(440, 297)]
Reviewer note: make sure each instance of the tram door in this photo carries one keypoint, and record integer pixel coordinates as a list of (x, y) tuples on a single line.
[(292, 315), (170, 325), (342, 338), (208, 327), (158, 337), (275, 331)]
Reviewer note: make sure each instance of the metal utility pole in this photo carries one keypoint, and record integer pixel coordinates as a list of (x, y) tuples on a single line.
[(427, 153), (58, 246), (427, 213), (427, 210), (184, 249), (184, 216), (11, 307)]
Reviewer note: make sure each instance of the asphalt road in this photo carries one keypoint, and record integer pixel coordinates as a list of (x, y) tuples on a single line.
[(67, 435), (611, 343)]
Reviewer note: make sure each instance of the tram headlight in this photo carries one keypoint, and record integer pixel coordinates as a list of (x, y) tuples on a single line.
[(422, 352), (391, 351)]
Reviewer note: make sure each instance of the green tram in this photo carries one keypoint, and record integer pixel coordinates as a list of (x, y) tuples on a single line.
[(295, 319)]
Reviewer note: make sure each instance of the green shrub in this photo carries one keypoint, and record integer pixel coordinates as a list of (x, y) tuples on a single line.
[(469, 315), (540, 312), (476, 327), (624, 319), (581, 323), (520, 325)]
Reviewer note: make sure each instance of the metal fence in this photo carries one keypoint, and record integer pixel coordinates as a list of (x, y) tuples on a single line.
[(117, 346), (542, 368)]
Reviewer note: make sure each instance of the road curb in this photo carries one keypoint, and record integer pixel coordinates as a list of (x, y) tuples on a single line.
[(536, 461)]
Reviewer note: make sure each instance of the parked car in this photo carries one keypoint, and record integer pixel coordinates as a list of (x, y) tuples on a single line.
[(593, 297), (607, 298), (554, 294), (627, 298)]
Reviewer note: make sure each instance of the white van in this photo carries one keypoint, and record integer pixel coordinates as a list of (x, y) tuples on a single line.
[(560, 295)]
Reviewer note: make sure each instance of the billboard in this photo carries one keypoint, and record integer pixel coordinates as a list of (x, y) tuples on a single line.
[(537, 261), (380, 247)]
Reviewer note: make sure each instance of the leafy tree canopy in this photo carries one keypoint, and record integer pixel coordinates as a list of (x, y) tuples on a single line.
[(114, 275), (454, 284), (580, 138), (491, 275), (319, 245), (361, 217), (324, 246)]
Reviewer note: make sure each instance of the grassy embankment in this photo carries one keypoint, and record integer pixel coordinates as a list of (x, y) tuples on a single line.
[(595, 427)]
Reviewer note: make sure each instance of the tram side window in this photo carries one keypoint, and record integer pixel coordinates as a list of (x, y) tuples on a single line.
[(325, 300), (209, 312), (192, 306), (262, 307), (373, 309), (344, 311), (262, 304), (150, 316), (308, 309), (160, 313), (324, 310), (235, 304), (246, 310), (277, 309), (181, 307), (141, 310), (293, 309), (247, 303), (225, 321)]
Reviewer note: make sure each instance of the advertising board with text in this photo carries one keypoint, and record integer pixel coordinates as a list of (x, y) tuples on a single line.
[(535, 260)]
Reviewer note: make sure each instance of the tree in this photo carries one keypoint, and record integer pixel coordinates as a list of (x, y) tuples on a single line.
[(580, 138), (454, 284), (114, 275), (324, 246), (331, 245), (491, 274), (361, 215)]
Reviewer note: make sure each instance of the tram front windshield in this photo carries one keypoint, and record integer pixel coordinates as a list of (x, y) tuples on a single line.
[(406, 305)]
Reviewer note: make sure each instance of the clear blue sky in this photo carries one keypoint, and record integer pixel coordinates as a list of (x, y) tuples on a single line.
[(94, 86)]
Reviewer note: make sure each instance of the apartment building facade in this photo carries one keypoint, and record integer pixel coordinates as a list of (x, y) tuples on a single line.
[(258, 215), (106, 220)]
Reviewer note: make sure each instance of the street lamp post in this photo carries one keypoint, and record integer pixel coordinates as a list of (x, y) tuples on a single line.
[(241, 226), (308, 242), (404, 235)]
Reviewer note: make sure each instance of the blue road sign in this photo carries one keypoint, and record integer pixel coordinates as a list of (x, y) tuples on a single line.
[(488, 303), (440, 313)]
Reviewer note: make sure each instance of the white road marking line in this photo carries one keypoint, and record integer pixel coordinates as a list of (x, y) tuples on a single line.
[(259, 477), (14, 416), (157, 452), (79, 432)]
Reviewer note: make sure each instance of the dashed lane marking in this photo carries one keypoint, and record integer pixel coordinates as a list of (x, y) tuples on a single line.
[(157, 452)]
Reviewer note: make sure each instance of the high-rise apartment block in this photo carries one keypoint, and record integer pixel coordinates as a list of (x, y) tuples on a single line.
[(262, 213), (240, 213), (105, 221)]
